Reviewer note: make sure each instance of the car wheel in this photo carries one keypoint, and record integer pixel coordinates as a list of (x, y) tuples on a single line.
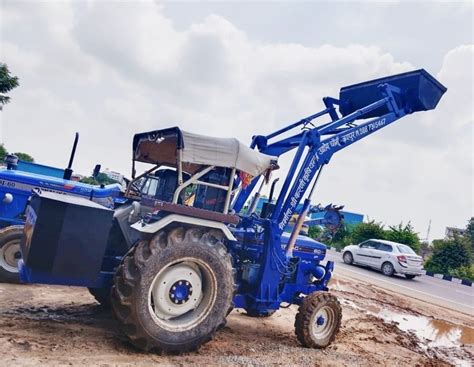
[(387, 269), (410, 276), (348, 258)]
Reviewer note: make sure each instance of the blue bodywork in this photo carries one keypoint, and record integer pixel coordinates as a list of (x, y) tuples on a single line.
[(20, 184), (270, 273)]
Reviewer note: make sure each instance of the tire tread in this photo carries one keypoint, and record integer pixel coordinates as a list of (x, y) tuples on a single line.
[(306, 310), (129, 275)]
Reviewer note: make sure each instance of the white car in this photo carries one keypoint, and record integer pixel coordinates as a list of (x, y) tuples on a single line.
[(387, 256)]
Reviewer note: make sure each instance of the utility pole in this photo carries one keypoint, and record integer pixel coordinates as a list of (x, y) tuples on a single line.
[(427, 239)]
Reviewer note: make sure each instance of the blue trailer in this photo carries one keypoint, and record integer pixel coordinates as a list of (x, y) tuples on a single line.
[(173, 274)]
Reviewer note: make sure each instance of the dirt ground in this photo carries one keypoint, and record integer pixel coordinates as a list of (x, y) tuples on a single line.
[(45, 325)]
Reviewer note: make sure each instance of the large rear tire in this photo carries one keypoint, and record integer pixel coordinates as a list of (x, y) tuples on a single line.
[(10, 238), (171, 294), (318, 320)]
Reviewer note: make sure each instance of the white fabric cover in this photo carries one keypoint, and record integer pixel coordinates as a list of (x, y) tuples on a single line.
[(224, 152)]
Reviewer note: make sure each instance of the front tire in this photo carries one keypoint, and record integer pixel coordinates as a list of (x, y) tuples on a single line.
[(10, 238), (387, 269), (318, 320), (171, 294), (348, 258)]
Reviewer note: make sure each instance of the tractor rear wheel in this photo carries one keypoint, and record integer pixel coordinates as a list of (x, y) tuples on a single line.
[(10, 238), (172, 293), (318, 320)]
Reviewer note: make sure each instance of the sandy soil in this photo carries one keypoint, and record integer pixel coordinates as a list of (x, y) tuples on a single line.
[(43, 325)]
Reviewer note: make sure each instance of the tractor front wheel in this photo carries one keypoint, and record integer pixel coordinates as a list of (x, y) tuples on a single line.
[(318, 320), (10, 238), (172, 293)]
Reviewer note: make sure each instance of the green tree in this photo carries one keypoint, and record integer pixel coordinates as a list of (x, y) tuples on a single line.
[(100, 179), (89, 180), (470, 232), (103, 179), (365, 231), (3, 153), (404, 234), (25, 157), (7, 83), (464, 272), (449, 255), (315, 232)]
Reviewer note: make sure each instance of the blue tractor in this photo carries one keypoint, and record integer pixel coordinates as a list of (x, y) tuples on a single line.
[(16, 186), (180, 255)]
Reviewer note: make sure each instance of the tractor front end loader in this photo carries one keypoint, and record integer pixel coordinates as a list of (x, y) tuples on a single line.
[(181, 254)]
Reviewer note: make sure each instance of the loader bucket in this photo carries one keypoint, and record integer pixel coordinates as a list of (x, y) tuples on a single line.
[(419, 92)]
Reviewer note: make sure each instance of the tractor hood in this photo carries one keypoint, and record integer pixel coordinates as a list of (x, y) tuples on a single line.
[(162, 146)]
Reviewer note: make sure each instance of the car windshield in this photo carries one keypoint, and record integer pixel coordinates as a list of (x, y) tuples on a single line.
[(405, 250)]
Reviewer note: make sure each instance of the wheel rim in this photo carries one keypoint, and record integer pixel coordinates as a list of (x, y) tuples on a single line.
[(347, 258), (182, 294), (387, 269), (9, 256), (322, 323)]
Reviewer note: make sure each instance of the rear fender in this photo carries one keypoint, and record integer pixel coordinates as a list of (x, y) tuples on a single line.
[(152, 228)]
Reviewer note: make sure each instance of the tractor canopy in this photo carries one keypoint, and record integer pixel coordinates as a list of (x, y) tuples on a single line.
[(164, 147)]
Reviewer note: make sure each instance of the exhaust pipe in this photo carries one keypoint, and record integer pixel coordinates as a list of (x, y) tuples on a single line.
[(68, 171)]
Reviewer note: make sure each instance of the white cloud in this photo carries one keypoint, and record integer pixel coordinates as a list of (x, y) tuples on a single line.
[(111, 71)]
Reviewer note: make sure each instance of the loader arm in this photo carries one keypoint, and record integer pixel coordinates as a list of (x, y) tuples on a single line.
[(337, 134), (395, 97)]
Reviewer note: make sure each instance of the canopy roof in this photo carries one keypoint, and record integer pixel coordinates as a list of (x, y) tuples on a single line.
[(160, 147)]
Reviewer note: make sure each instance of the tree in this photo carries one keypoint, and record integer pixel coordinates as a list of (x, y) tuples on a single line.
[(314, 232), (404, 234), (103, 179), (470, 232), (7, 83), (449, 255), (365, 231), (3, 153), (89, 180), (24, 157), (100, 179)]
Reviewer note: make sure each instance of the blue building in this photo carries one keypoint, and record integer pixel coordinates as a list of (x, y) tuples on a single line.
[(40, 169), (349, 217)]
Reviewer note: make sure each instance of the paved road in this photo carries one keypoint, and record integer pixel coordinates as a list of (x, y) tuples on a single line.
[(437, 291)]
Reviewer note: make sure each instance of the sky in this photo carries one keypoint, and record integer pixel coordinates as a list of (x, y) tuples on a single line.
[(111, 69)]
